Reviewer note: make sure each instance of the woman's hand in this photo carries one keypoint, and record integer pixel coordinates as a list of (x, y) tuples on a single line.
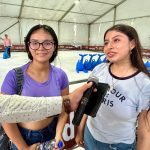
[(77, 94), (57, 140), (79, 139)]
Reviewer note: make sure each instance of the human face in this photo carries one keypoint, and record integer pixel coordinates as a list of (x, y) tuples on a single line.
[(6, 35), (41, 52), (117, 47)]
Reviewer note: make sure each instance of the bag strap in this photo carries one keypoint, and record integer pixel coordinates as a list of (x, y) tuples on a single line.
[(5, 141), (19, 79)]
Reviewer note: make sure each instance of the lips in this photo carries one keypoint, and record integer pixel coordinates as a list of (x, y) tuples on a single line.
[(42, 54), (111, 54)]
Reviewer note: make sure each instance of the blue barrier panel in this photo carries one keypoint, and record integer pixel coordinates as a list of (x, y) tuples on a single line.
[(86, 65), (79, 65), (147, 64)]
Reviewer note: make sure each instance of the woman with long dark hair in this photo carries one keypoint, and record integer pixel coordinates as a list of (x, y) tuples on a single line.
[(114, 127)]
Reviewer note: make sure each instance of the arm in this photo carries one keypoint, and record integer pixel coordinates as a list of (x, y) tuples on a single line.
[(60, 126), (14, 108), (62, 120), (143, 133), (13, 133), (80, 131)]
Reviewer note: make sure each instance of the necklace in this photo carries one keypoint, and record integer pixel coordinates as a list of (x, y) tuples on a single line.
[(115, 82), (113, 85)]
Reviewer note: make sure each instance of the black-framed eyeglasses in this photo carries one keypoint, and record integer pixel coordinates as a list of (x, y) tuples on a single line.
[(34, 45)]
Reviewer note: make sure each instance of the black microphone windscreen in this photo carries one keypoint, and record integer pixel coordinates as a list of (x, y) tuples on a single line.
[(93, 79)]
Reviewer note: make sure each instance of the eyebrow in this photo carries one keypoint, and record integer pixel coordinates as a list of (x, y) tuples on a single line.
[(113, 37)]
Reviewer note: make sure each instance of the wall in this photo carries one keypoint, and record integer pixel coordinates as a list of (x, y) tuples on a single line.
[(75, 34), (131, 12), (69, 33)]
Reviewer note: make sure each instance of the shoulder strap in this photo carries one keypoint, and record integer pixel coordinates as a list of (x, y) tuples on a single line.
[(19, 79), (5, 143)]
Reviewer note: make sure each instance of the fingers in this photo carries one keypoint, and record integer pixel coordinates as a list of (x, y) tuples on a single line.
[(76, 95), (86, 86), (79, 140), (95, 90), (83, 88), (80, 143), (59, 144)]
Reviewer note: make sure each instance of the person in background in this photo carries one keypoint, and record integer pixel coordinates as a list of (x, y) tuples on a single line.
[(7, 44), (40, 79), (114, 126)]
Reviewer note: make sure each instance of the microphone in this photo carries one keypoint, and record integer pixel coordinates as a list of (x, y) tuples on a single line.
[(84, 101)]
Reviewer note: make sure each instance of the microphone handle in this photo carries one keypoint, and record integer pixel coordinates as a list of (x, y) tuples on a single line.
[(80, 111), (81, 108)]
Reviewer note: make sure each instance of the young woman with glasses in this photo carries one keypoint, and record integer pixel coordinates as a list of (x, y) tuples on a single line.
[(40, 79)]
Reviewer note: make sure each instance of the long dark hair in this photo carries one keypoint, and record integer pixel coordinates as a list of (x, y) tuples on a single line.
[(50, 31), (136, 56)]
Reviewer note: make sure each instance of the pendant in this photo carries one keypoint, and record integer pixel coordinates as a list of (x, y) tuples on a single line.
[(110, 89)]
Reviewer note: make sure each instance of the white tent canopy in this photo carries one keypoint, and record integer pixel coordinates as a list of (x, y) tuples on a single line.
[(78, 22)]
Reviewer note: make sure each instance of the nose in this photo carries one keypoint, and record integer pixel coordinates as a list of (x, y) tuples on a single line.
[(41, 46)]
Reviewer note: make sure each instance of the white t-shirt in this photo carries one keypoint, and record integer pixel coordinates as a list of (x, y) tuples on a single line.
[(116, 119)]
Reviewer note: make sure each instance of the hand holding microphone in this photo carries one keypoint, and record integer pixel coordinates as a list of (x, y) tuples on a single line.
[(84, 101)]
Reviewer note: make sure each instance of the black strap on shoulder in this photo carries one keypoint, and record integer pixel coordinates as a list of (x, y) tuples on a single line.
[(19, 79), (5, 143)]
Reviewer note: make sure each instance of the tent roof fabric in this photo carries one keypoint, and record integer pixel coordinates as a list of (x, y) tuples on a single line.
[(76, 11)]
